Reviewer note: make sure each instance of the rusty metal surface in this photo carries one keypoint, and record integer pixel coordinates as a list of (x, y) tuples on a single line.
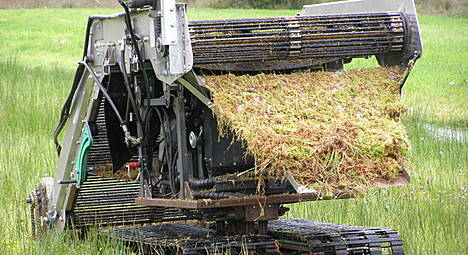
[(233, 202), (401, 180)]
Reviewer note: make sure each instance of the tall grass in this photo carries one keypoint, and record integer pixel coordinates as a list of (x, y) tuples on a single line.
[(35, 76), (30, 99)]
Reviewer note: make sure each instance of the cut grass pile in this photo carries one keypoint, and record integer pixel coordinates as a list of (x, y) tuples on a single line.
[(328, 130)]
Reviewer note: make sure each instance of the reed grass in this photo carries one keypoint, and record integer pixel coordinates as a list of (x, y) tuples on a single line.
[(330, 131)]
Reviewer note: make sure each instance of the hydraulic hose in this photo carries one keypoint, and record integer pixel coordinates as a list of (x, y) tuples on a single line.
[(131, 141), (128, 23), (104, 91), (127, 84), (65, 112)]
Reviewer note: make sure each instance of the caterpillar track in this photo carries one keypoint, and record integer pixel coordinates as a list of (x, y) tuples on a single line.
[(315, 237), (285, 236)]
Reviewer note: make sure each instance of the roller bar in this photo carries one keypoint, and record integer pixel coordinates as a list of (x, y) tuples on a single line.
[(277, 43)]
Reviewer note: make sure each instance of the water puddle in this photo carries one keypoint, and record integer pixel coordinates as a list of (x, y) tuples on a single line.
[(446, 133)]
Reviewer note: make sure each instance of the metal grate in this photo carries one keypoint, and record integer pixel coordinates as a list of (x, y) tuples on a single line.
[(314, 38)]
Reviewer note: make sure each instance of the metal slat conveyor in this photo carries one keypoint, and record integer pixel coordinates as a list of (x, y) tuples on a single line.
[(239, 44)]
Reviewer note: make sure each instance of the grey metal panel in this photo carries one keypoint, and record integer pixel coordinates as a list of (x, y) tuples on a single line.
[(181, 57), (168, 23), (179, 60), (167, 68)]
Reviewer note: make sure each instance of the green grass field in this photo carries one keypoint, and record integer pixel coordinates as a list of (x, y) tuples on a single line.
[(38, 52)]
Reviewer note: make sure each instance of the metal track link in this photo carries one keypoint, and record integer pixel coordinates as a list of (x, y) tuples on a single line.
[(192, 240), (318, 238)]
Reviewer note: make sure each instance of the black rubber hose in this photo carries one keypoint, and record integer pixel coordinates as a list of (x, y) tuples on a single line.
[(215, 195), (172, 159), (128, 23), (127, 85), (86, 43), (104, 92), (172, 173), (210, 182), (168, 148), (65, 112)]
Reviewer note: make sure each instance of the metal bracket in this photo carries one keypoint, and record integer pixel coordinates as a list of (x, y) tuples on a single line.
[(297, 186), (196, 92), (169, 28), (172, 56), (83, 153)]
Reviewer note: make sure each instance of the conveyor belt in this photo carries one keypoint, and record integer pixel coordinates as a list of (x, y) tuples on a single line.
[(282, 42), (105, 201), (99, 153)]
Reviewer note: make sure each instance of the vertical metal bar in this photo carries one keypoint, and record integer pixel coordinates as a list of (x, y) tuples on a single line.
[(184, 160)]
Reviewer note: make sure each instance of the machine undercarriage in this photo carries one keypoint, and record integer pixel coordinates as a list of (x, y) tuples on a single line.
[(143, 149)]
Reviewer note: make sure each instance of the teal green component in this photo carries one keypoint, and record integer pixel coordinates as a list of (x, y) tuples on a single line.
[(83, 154)]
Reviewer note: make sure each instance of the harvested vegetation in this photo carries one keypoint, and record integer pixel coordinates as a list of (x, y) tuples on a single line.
[(123, 173), (328, 130)]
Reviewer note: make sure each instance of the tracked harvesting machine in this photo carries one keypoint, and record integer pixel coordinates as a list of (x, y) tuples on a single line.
[(137, 106)]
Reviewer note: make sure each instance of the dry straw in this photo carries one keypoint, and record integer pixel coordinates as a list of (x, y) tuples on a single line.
[(328, 130)]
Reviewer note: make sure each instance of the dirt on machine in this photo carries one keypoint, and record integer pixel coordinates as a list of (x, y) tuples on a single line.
[(192, 137)]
